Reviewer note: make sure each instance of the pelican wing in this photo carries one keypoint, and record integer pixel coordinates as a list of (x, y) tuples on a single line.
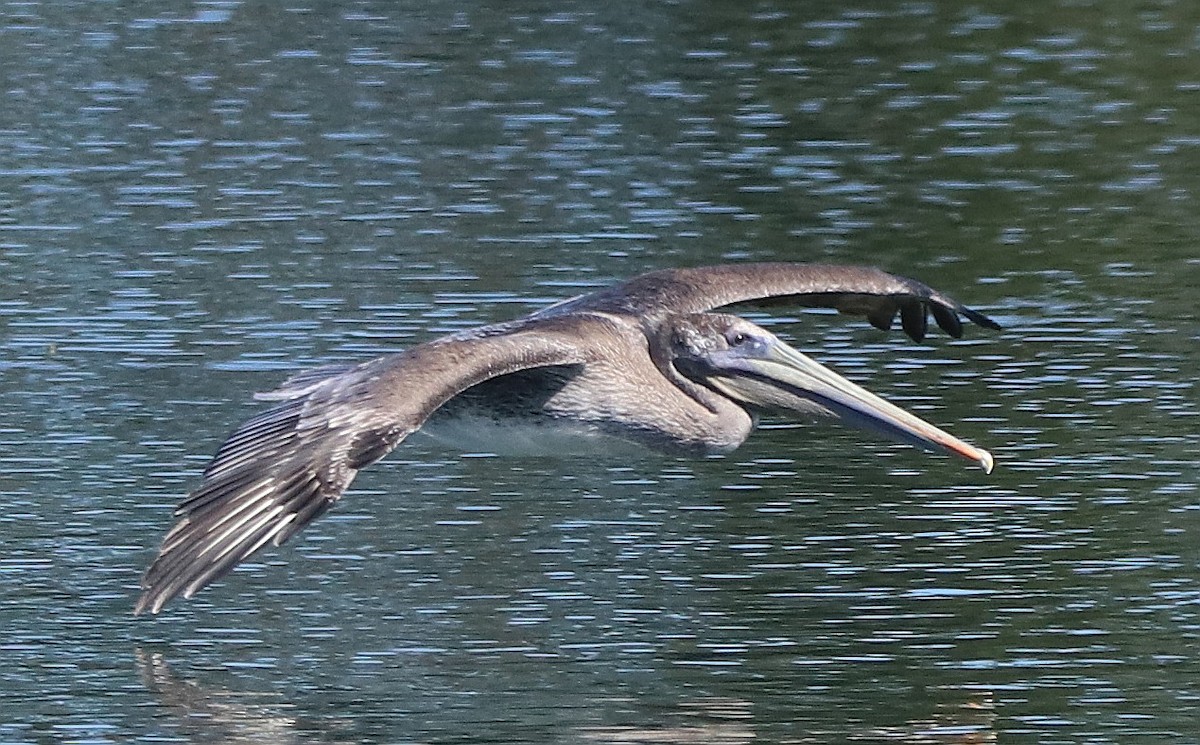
[(857, 290), (285, 467)]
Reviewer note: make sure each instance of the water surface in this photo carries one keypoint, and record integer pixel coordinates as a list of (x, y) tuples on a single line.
[(200, 198)]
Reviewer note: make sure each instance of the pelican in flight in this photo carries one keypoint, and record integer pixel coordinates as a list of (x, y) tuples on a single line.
[(645, 361)]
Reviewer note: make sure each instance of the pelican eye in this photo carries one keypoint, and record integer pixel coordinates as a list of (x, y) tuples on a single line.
[(739, 339)]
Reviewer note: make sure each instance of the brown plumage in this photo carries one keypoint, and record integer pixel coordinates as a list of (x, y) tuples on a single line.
[(644, 361)]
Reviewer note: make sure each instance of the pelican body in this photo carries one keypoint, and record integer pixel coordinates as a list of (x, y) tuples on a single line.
[(645, 361)]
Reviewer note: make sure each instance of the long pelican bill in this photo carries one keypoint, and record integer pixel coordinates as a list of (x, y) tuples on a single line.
[(776, 376)]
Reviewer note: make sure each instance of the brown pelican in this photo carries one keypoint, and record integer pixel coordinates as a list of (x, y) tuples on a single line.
[(644, 361)]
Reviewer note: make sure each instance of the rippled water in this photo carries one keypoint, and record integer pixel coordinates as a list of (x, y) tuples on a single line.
[(199, 198)]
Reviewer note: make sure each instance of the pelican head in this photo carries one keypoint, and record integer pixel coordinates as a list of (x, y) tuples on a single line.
[(754, 368)]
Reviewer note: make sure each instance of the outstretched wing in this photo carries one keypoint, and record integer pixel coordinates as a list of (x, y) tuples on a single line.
[(857, 290), (283, 468)]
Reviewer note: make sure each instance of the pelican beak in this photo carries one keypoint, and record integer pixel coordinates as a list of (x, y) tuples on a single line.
[(774, 376)]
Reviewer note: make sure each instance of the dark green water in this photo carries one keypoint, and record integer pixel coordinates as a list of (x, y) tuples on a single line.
[(196, 199)]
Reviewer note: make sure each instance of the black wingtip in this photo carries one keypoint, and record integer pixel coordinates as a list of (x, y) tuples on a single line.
[(914, 320), (981, 320), (947, 320), (882, 318)]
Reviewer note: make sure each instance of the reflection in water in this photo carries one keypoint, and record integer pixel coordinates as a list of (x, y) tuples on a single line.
[(969, 722), (702, 722), (210, 714)]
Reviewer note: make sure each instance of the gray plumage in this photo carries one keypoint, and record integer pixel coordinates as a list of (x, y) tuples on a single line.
[(643, 360)]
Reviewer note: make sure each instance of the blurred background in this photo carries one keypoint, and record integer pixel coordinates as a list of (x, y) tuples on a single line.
[(197, 199)]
